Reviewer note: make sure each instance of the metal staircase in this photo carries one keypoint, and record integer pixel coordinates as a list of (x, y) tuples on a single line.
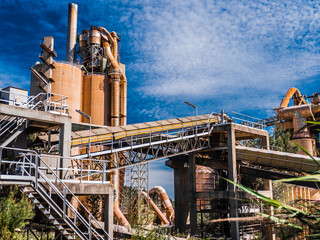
[(50, 196), (10, 129)]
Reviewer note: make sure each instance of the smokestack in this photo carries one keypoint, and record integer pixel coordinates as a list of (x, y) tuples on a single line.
[(72, 32)]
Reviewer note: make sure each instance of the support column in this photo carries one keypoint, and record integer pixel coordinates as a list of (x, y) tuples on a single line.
[(232, 175), (192, 200), (265, 142), (65, 143), (108, 215), (269, 210), (268, 186), (181, 192)]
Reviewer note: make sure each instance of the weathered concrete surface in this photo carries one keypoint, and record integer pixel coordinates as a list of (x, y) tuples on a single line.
[(87, 188), (33, 114)]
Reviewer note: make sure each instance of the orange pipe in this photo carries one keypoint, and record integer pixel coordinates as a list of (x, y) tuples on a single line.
[(115, 105), (164, 220), (165, 201), (113, 61), (123, 110), (115, 46), (292, 92), (105, 31), (115, 86), (119, 216)]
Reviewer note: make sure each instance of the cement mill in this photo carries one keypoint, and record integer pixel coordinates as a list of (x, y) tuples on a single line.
[(87, 173)]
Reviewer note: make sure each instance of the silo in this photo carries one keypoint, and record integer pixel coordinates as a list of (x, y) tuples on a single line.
[(67, 81), (96, 98)]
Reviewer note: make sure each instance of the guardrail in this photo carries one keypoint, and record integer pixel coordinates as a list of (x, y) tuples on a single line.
[(76, 170), (48, 102), (246, 120)]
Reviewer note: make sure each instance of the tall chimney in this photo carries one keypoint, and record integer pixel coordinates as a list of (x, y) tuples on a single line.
[(72, 32)]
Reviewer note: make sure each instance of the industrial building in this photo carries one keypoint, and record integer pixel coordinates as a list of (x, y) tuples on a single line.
[(83, 147)]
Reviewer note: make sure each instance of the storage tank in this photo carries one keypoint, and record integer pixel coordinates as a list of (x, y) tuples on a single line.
[(205, 182), (96, 99), (67, 81)]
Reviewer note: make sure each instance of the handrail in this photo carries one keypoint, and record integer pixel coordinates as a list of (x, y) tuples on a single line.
[(66, 188), (127, 142), (246, 120), (49, 182), (31, 104)]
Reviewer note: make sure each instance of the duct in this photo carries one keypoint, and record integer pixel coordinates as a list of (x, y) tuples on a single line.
[(155, 208), (292, 92), (123, 110), (115, 85), (165, 201), (104, 31), (119, 215), (306, 110), (115, 46), (114, 75), (72, 32)]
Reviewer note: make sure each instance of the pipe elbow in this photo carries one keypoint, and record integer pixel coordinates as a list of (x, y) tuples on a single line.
[(289, 95)]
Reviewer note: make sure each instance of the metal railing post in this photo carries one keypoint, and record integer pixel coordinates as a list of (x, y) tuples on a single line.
[(150, 138), (90, 227), (64, 202), (57, 165), (104, 172), (81, 170), (0, 161), (36, 171), (112, 144)]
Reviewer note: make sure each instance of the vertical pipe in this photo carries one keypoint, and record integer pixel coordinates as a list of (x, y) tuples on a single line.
[(72, 32), (115, 87), (123, 110), (115, 99), (115, 46)]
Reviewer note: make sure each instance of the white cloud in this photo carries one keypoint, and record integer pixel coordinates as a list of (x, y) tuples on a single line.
[(208, 49)]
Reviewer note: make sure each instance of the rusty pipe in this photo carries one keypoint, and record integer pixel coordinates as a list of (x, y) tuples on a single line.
[(113, 61), (115, 99), (123, 110), (289, 95), (105, 31), (155, 208), (114, 75), (165, 201), (119, 216), (114, 46), (306, 110)]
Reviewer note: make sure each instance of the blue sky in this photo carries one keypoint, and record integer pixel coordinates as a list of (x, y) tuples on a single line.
[(231, 55)]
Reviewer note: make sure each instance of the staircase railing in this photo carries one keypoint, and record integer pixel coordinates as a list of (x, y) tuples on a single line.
[(50, 102), (30, 166)]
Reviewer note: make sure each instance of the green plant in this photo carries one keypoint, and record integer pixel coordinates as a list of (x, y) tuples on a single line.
[(281, 140), (15, 212), (295, 217)]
